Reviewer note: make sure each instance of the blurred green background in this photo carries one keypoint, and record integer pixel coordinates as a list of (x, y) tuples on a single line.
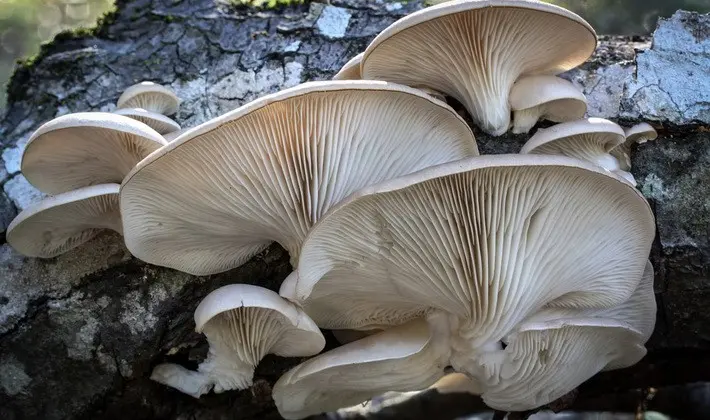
[(24, 24)]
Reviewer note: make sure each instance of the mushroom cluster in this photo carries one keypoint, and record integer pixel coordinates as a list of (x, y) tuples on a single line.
[(524, 273)]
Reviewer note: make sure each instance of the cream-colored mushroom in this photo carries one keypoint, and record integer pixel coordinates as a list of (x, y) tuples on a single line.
[(60, 223), (157, 122), (639, 133), (485, 240), (474, 50), (404, 358), (242, 323), (590, 139), (544, 97), (151, 97), (223, 191), (86, 148)]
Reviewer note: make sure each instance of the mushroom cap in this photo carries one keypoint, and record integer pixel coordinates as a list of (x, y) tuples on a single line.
[(545, 361), (639, 133), (62, 222), (298, 334), (590, 139), (350, 70), (151, 97), (474, 50), (404, 358), (222, 191), (174, 134), (545, 97), (485, 239), (556, 350), (86, 148), (157, 122)]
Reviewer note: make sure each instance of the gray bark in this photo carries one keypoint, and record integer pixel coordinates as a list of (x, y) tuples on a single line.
[(80, 333)]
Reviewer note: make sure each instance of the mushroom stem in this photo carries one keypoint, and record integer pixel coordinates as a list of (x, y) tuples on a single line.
[(184, 380), (226, 371), (525, 119)]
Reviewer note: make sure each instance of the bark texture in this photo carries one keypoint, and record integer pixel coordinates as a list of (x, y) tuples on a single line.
[(80, 333)]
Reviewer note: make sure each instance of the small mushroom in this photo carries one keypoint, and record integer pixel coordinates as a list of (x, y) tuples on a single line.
[(639, 133), (62, 222), (558, 349), (488, 240), (268, 171), (590, 139), (242, 323), (157, 122), (404, 358), (150, 97), (474, 50), (544, 97), (86, 148)]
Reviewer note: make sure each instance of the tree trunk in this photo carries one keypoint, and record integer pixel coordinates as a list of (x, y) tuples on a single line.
[(80, 333)]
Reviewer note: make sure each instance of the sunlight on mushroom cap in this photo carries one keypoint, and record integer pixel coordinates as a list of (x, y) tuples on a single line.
[(223, 191), (86, 148), (57, 224), (474, 50)]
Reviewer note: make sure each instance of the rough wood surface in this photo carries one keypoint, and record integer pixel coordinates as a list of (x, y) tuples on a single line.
[(80, 333)]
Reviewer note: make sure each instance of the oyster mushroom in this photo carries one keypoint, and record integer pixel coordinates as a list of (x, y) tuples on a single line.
[(404, 358), (474, 50), (639, 133), (150, 97), (223, 191), (86, 148), (544, 97), (60, 223), (242, 323), (559, 349), (590, 139), (480, 245), (157, 122)]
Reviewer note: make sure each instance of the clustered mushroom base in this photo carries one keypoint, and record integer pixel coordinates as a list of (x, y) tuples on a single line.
[(525, 273)]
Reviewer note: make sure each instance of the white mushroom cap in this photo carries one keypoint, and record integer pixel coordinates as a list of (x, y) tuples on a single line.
[(543, 362), (474, 50), (457, 383), (639, 133), (557, 349), (86, 148), (489, 240), (57, 224), (157, 122), (222, 191), (242, 323), (545, 97), (350, 70), (404, 358), (174, 134), (589, 139), (151, 97)]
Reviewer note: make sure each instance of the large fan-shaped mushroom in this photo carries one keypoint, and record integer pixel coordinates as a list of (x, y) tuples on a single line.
[(62, 222), (269, 170), (474, 50), (486, 240), (86, 148), (242, 323)]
